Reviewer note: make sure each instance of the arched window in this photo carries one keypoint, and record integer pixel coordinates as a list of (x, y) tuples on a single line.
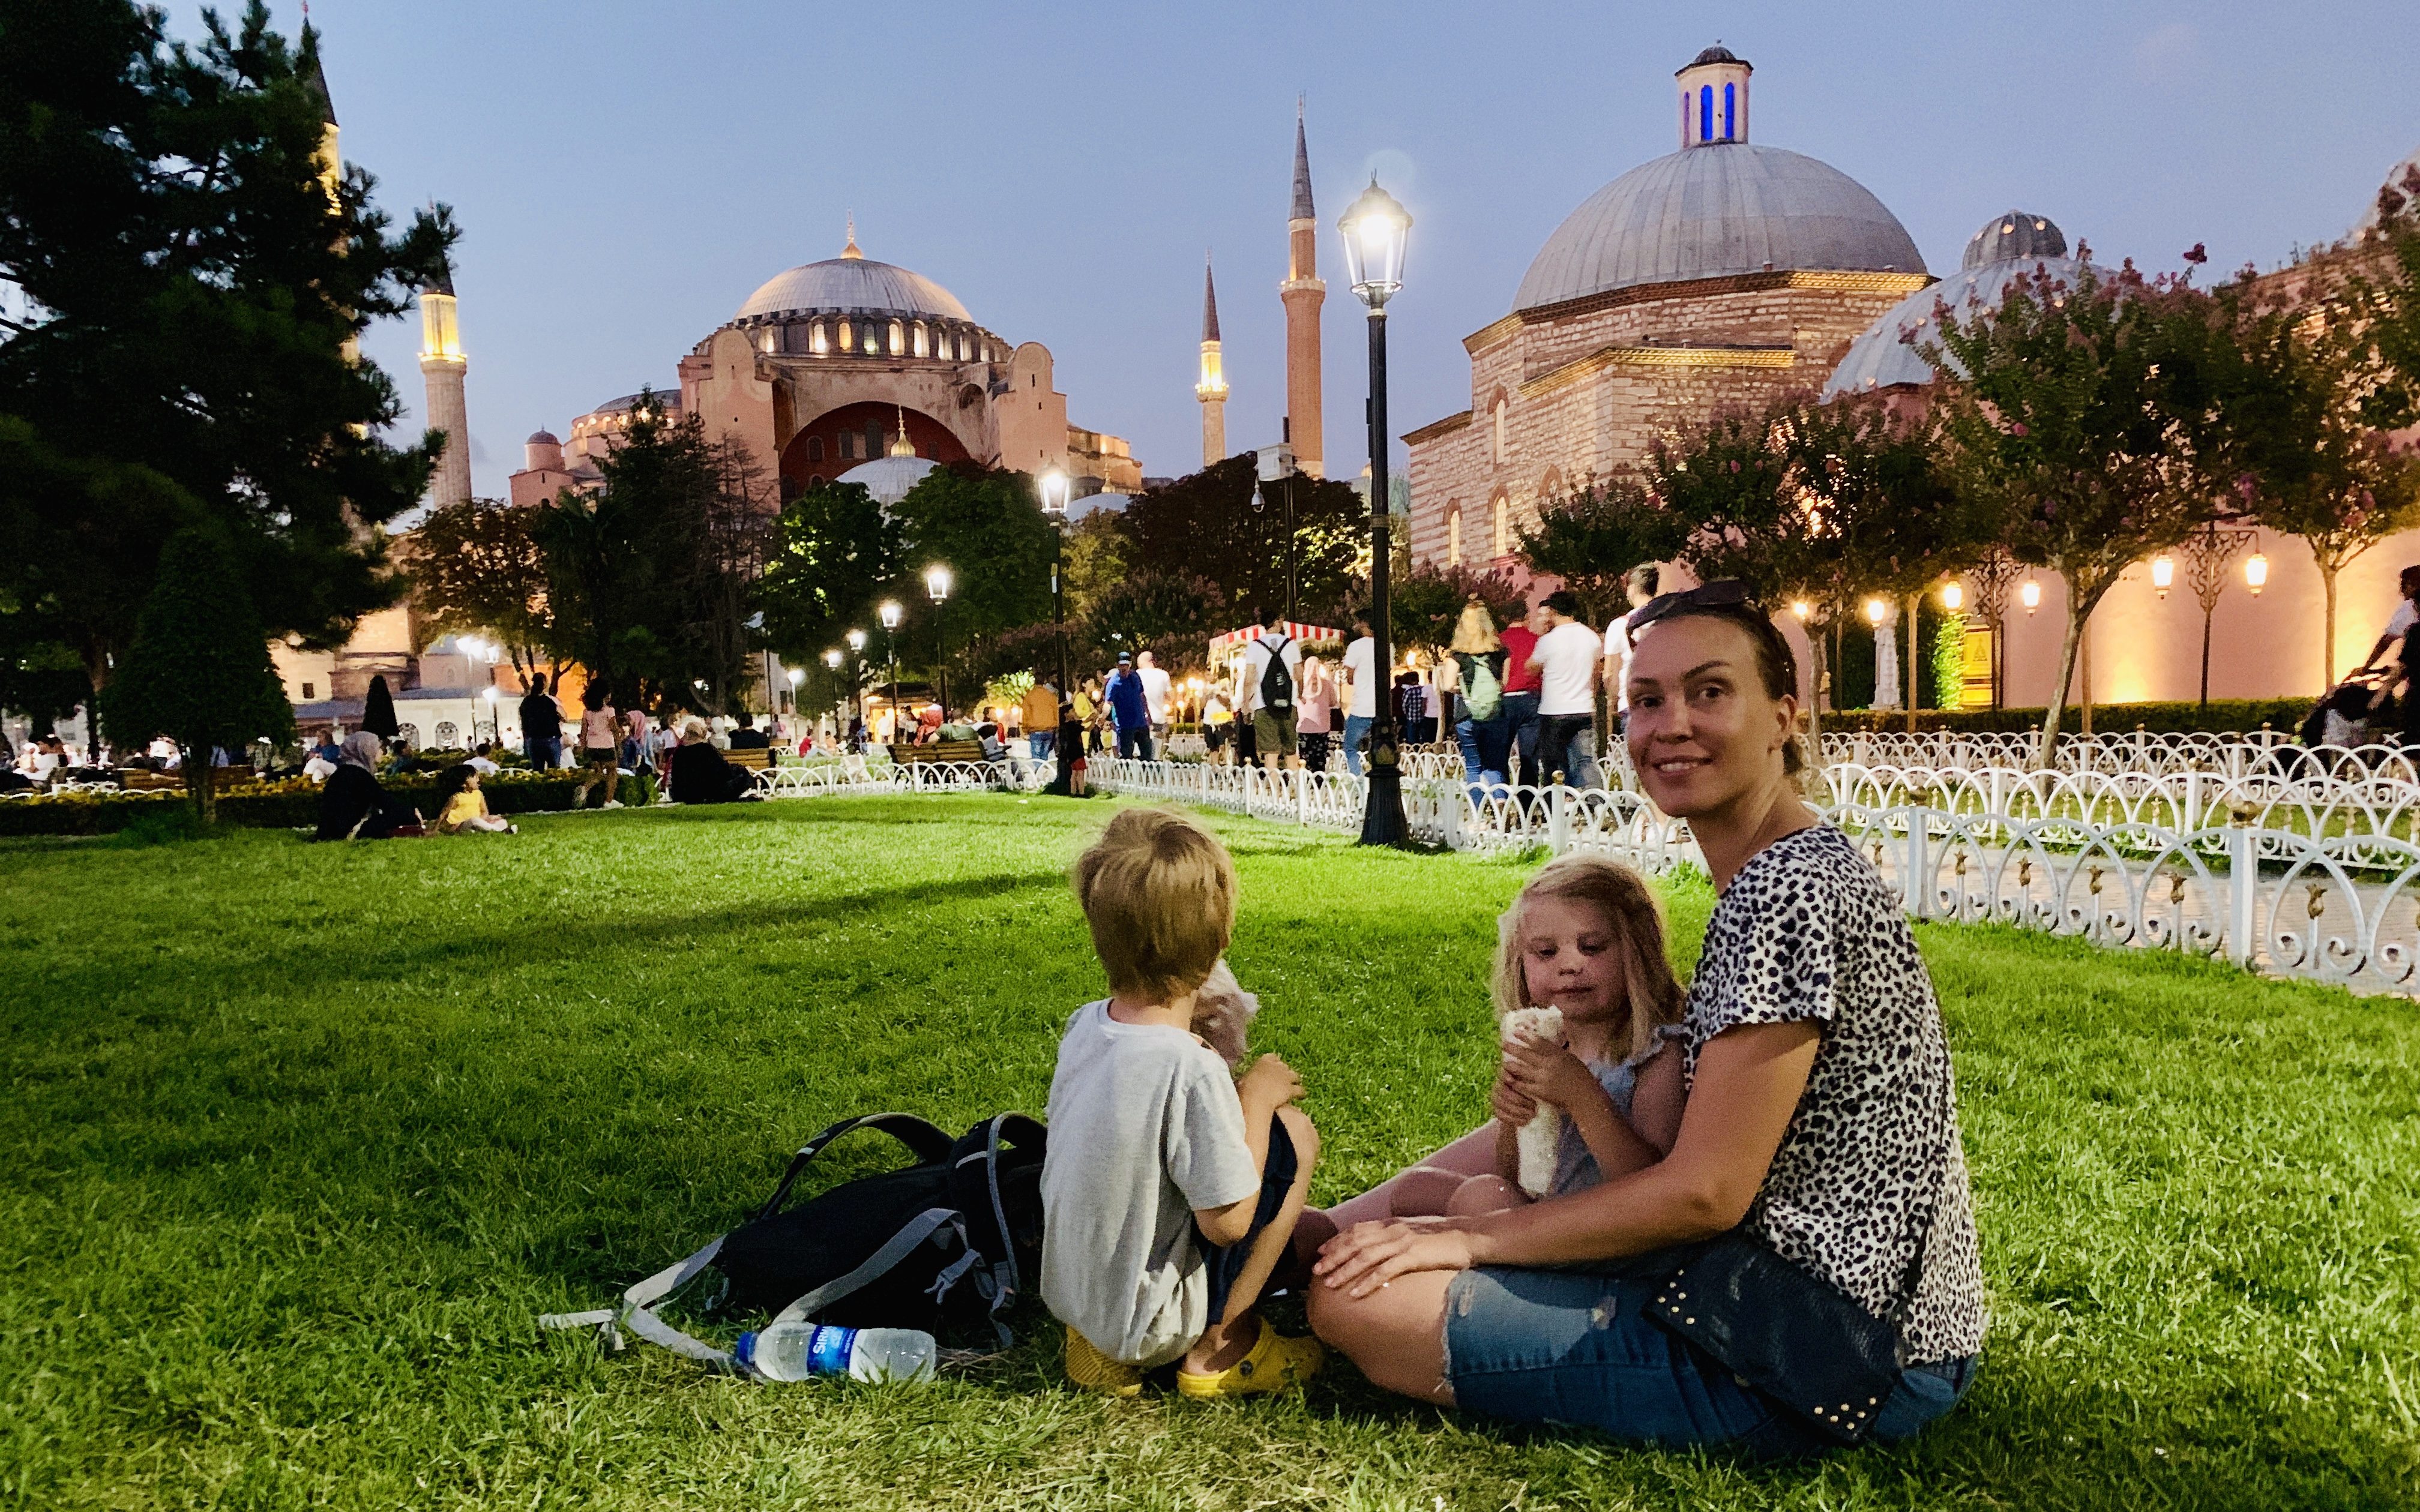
[(1501, 527), (898, 338), (1705, 112), (819, 340), (846, 344), (1502, 446), (848, 442), (814, 448), (817, 481), (1730, 105), (1454, 536), (919, 338), (447, 734)]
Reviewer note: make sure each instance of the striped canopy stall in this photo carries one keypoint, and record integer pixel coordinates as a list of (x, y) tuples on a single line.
[(1223, 648)]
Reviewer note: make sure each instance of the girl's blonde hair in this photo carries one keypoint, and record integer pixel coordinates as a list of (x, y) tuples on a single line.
[(1631, 912), (1474, 634)]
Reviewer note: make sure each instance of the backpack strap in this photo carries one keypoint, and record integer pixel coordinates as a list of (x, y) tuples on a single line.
[(1004, 1282), (637, 1313), (928, 1144), (934, 1224)]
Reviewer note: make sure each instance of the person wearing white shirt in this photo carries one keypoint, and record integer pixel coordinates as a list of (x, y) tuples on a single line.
[(1639, 585), (1154, 697), (1566, 661), (1361, 673), (1274, 730)]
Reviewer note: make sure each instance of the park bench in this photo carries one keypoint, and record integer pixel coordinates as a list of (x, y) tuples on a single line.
[(754, 761), (939, 753)]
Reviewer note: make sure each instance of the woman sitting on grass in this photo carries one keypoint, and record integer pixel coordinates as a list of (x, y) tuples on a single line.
[(699, 772), (1817, 1172), (462, 808), (352, 806)]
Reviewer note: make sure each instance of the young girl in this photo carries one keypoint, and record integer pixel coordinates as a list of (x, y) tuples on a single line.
[(462, 808), (1585, 936)]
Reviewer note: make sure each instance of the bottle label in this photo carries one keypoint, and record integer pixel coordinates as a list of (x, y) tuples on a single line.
[(828, 1352)]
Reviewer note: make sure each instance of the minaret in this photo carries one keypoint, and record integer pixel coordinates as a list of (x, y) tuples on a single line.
[(1212, 390), (442, 365), (1303, 294)]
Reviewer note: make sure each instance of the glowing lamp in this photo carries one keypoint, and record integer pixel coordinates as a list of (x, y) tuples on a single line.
[(856, 640), (2030, 595), (1375, 230), (1953, 595), (2255, 573), (2163, 573), (1053, 485), (1802, 609), (890, 613), (936, 582), (796, 675), (831, 658), (1875, 611)]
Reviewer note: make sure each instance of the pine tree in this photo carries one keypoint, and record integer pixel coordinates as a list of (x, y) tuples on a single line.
[(199, 670)]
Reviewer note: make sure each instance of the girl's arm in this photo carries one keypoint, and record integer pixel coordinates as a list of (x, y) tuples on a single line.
[(1749, 1081), (1656, 1103), (1550, 1073)]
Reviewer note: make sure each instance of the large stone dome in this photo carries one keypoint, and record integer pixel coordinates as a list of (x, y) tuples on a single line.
[(852, 285), (1713, 209)]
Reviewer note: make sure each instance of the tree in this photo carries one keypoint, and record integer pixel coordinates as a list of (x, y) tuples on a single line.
[(477, 565), (836, 553), (1587, 540), (188, 278), (987, 527), (1425, 602), (2080, 422), (1171, 615), (1100, 553), (2303, 389), (199, 670), (1204, 524), (650, 578)]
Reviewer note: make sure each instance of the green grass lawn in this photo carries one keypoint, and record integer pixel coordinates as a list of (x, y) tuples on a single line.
[(301, 1139)]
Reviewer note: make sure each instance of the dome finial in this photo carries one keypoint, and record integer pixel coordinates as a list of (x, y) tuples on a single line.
[(901, 445), (850, 250)]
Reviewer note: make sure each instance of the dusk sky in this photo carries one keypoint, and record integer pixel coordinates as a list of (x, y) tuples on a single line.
[(625, 175)]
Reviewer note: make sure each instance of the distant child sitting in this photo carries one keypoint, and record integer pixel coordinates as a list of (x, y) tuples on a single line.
[(1172, 1187), (462, 808), (1584, 937)]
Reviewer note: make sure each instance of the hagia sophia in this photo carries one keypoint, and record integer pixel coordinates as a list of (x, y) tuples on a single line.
[(1724, 272)]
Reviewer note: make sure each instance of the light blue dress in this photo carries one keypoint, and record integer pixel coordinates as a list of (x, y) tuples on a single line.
[(1574, 1167)]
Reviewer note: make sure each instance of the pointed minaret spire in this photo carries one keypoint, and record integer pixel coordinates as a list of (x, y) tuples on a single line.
[(1212, 390), (850, 250), (900, 445), (1303, 294)]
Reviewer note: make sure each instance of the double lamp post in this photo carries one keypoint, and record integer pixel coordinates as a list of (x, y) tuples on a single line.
[(1376, 228)]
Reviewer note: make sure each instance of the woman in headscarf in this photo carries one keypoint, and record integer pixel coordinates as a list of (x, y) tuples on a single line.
[(699, 772), (352, 806)]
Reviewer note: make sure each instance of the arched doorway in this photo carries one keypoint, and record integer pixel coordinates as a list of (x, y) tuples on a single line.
[(839, 440)]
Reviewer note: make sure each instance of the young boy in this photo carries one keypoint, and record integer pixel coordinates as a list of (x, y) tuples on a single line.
[(1172, 1188)]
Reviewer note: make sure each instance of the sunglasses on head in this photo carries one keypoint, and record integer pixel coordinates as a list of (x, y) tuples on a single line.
[(1729, 592)]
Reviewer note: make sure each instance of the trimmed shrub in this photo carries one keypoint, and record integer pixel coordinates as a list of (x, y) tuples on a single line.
[(289, 803)]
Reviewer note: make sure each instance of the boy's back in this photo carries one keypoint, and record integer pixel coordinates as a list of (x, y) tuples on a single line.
[(1146, 1127)]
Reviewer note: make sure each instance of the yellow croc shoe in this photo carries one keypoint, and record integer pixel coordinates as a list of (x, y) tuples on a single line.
[(1275, 1364), (1091, 1370)]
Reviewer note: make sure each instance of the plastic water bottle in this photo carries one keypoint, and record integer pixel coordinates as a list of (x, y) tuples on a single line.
[(793, 1352)]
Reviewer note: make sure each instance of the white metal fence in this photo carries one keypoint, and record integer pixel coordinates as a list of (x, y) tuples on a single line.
[(2316, 877)]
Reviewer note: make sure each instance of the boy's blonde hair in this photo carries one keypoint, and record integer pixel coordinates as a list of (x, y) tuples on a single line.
[(1630, 913), (1159, 893)]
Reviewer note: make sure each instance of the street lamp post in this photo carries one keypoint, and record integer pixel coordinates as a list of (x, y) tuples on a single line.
[(2208, 551), (937, 587), (840, 703), (1276, 464), (856, 640), (890, 613), (1054, 509), (1375, 229)]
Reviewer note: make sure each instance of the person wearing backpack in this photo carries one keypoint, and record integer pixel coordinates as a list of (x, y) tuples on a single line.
[(1169, 1187), (1483, 731), (1272, 672)]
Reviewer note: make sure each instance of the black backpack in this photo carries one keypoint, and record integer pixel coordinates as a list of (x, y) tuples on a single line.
[(1276, 684), (945, 1245)]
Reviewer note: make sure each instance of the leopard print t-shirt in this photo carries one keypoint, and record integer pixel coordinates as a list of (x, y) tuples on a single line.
[(1807, 932)]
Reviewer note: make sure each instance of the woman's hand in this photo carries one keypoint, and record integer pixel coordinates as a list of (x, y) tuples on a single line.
[(1366, 1256), (1545, 1071)]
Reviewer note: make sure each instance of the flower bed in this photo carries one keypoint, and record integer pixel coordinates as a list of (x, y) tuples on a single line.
[(287, 803)]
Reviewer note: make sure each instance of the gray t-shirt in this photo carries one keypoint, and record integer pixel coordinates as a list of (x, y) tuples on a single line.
[(1145, 1128)]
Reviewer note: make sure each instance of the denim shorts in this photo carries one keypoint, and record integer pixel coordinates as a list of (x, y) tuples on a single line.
[(1225, 1262), (1575, 1349)]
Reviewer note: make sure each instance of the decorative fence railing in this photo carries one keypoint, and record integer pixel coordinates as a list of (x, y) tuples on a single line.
[(2191, 863), (2229, 755)]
